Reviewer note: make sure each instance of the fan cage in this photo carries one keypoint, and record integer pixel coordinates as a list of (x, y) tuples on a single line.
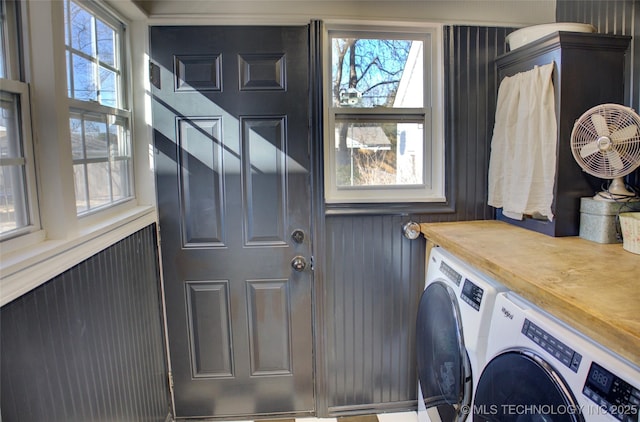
[(584, 132)]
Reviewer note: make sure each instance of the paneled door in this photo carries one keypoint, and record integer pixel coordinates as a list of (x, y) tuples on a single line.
[(231, 137)]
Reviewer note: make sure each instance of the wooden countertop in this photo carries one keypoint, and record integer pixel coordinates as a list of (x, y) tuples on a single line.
[(591, 286)]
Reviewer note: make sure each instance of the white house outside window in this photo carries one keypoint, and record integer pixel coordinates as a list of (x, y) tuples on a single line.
[(383, 140), (99, 113)]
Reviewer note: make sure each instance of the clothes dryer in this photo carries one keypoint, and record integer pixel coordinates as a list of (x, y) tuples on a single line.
[(451, 336), (541, 369)]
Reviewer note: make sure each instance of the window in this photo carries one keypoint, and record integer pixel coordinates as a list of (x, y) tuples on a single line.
[(99, 115), (83, 199), (383, 141), (18, 199)]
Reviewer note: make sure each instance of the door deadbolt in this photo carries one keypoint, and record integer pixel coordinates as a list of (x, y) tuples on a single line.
[(297, 236), (298, 263)]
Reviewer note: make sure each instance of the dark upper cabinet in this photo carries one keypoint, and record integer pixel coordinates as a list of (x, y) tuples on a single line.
[(589, 70)]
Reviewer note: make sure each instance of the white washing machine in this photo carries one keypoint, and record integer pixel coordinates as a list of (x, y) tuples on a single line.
[(543, 370), (451, 336)]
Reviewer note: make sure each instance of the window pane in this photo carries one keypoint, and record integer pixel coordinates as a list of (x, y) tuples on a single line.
[(13, 206), (95, 138), (82, 203), (121, 163), (108, 93), (77, 146), (120, 179), (69, 76), (119, 144), (99, 184), (369, 72), (82, 38), (10, 136), (83, 77), (378, 153), (10, 46), (106, 43), (67, 41), (3, 53)]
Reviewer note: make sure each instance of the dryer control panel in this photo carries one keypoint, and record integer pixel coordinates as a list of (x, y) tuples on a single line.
[(451, 274), (618, 397), (472, 294)]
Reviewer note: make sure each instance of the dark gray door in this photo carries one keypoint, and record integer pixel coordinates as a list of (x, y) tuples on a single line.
[(230, 122)]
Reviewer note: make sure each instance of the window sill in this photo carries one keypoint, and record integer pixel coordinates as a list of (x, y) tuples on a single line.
[(26, 269), (389, 208)]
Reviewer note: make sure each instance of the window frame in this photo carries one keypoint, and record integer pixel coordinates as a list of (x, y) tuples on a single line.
[(13, 84), (21, 91), (65, 238), (122, 110), (432, 190)]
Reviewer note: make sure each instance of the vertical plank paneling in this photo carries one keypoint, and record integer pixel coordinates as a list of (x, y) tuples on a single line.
[(619, 17), (88, 345), (472, 91), (374, 276), (371, 300)]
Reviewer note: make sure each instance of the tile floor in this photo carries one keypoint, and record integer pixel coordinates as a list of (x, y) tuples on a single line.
[(383, 417)]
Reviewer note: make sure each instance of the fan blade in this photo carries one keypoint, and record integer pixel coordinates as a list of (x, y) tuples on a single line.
[(614, 159), (624, 134), (588, 149), (600, 124)]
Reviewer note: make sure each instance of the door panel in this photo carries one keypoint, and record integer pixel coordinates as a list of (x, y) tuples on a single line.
[(209, 329), (230, 120), (200, 182)]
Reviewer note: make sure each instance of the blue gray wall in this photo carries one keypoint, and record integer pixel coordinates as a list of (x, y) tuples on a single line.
[(618, 17), (374, 276), (87, 346)]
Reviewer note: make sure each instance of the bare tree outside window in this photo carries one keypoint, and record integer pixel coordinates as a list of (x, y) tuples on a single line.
[(367, 75), (383, 140), (372, 67), (99, 121)]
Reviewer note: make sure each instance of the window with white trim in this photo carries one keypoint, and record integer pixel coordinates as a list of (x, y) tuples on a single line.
[(18, 196), (100, 116), (383, 138)]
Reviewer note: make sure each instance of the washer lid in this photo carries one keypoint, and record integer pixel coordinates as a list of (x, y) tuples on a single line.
[(444, 370), (518, 385)]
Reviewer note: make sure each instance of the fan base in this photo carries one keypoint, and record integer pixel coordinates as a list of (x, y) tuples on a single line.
[(608, 196), (617, 192)]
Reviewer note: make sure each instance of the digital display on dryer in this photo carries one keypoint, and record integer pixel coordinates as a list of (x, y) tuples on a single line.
[(600, 378), (472, 294), (618, 397)]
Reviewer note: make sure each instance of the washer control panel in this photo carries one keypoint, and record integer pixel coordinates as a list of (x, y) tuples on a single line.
[(612, 393), (451, 274), (566, 355), (471, 294)]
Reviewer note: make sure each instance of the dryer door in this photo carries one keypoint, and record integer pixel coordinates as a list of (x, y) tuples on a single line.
[(444, 370), (518, 385)]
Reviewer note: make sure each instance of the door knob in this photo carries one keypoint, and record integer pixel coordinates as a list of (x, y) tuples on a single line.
[(411, 230), (298, 263)]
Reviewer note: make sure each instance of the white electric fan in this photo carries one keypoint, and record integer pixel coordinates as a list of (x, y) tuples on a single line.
[(605, 142)]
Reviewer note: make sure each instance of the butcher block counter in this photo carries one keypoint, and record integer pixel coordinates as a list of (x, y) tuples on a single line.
[(593, 287)]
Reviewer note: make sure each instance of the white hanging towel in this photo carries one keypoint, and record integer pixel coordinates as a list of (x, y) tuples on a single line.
[(522, 165)]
